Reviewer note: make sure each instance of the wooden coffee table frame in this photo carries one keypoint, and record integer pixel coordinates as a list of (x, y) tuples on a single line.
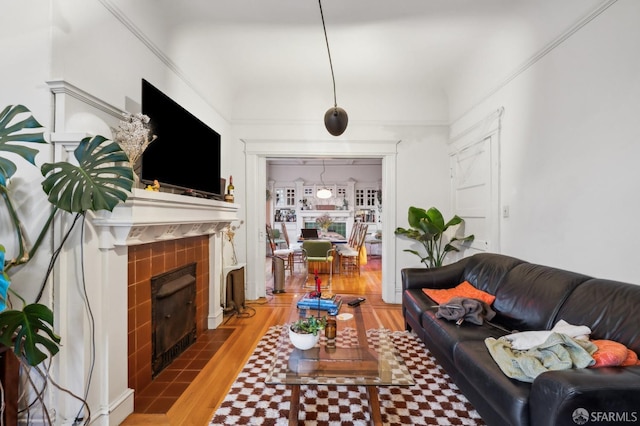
[(359, 361)]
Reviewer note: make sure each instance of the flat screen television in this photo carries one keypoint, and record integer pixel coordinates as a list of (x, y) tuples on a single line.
[(186, 153)]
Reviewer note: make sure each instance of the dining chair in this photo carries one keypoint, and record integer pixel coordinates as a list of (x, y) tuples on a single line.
[(278, 239), (319, 251), (354, 233), (352, 241), (349, 257), (284, 254), (298, 254)]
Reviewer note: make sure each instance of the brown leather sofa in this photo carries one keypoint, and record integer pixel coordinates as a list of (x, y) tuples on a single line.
[(530, 297)]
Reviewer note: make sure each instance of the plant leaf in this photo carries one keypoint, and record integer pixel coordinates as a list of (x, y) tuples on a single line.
[(28, 329), (416, 215), (97, 183), (455, 220), (467, 239), (14, 119), (436, 219)]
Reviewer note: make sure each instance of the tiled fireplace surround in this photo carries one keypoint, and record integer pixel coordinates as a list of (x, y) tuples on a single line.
[(144, 262), (161, 232)]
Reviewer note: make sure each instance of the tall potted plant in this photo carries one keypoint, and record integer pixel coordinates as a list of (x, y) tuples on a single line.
[(429, 229), (100, 181)]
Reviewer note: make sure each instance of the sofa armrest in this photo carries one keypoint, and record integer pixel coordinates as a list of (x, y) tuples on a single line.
[(445, 277), (609, 395)]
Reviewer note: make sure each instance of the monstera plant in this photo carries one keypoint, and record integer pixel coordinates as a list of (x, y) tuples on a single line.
[(429, 229), (102, 179)]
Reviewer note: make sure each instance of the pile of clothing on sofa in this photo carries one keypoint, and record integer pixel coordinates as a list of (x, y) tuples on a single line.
[(525, 355)]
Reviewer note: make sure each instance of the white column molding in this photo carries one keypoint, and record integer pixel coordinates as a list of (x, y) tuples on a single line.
[(62, 89)]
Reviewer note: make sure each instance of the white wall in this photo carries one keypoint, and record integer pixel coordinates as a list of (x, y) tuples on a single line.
[(94, 51), (85, 44), (25, 52), (569, 149), (334, 173), (423, 181)]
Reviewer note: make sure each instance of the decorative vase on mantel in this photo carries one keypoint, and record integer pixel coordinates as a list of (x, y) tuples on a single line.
[(134, 136), (136, 168)]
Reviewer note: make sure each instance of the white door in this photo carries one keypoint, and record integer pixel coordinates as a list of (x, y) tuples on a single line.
[(475, 193)]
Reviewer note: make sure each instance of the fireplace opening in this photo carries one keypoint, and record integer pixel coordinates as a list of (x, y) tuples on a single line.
[(173, 313)]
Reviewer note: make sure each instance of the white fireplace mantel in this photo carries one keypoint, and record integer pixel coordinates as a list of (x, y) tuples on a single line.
[(149, 216), (333, 214), (145, 217)]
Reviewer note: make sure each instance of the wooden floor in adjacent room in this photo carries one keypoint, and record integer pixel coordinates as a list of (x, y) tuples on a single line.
[(198, 402)]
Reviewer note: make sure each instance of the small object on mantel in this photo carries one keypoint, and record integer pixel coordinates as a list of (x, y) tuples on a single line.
[(155, 187), (229, 197)]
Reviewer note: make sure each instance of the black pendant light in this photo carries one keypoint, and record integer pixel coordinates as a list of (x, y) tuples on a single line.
[(335, 119)]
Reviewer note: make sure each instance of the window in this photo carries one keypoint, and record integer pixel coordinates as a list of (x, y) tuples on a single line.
[(360, 197), (371, 197), (291, 196), (285, 197)]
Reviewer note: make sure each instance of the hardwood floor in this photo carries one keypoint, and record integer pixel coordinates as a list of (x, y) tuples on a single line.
[(198, 402)]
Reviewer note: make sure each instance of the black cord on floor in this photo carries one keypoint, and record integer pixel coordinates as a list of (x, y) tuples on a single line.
[(243, 314)]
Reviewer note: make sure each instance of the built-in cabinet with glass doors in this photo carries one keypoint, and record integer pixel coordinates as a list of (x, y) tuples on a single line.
[(295, 205)]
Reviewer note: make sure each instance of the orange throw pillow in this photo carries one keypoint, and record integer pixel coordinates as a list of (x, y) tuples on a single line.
[(632, 358), (609, 353), (461, 290)]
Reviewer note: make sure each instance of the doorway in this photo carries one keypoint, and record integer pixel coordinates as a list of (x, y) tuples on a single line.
[(353, 197), (475, 182), (256, 154)]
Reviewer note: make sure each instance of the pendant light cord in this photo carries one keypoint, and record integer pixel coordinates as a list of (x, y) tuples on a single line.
[(326, 39), (322, 174)]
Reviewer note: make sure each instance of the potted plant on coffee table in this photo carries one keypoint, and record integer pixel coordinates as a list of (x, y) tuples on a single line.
[(305, 332), (429, 229)]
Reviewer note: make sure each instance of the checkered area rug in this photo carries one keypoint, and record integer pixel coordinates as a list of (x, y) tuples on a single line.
[(433, 400)]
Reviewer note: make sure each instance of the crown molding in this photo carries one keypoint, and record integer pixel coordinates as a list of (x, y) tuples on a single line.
[(533, 59), (155, 50)]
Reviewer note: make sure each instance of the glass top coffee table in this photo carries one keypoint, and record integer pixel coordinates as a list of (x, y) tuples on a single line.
[(353, 361)]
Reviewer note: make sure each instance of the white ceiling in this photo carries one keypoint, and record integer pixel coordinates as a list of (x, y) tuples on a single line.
[(232, 51)]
